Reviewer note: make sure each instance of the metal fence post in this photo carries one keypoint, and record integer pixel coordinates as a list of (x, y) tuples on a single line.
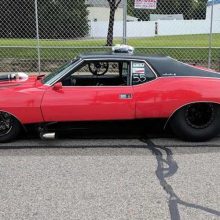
[(37, 36), (210, 37), (125, 22)]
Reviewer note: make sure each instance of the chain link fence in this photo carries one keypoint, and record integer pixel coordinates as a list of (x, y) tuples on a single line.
[(39, 35)]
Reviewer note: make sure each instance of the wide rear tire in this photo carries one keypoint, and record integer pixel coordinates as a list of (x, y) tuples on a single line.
[(10, 127), (196, 122)]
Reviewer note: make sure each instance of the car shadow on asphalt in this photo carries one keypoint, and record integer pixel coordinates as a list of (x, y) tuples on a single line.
[(167, 167)]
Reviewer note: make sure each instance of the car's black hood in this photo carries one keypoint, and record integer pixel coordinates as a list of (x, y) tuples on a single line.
[(167, 67)]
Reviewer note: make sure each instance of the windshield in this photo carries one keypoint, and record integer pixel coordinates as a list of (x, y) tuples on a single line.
[(57, 71)]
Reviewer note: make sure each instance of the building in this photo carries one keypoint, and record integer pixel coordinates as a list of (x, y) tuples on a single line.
[(99, 11), (216, 10), (100, 3), (156, 17), (102, 14)]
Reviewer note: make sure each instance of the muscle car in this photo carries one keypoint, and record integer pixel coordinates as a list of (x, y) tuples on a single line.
[(114, 86)]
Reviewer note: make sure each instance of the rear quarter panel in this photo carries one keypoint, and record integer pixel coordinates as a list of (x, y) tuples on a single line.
[(162, 97)]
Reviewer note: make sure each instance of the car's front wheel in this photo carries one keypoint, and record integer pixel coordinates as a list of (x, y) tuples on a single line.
[(9, 127), (196, 122)]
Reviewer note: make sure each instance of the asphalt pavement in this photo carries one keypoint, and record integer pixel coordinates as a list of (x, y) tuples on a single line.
[(110, 178)]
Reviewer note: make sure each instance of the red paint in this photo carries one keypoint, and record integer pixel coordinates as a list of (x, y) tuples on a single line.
[(87, 103), (33, 102), (161, 97), (22, 99)]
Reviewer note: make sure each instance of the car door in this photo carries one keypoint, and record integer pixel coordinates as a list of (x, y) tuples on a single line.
[(88, 102), (115, 103)]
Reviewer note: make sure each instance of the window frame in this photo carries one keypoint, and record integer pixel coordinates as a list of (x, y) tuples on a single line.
[(81, 60), (101, 60)]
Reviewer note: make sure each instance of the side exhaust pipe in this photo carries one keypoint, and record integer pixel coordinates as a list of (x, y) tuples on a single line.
[(47, 136)]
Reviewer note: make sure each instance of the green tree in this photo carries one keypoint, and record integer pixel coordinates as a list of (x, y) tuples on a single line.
[(167, 7), (113, 4), (200, 9), (58, 19), (62, 19), (163, 7), (17, 19), (191, 9), (142, 14), (186, 8)]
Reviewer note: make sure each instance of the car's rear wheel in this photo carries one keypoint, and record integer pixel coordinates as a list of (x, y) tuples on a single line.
[(9, 127), (197, 122)]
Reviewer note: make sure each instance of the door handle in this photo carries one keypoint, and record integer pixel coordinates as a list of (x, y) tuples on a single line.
[(125, 96)]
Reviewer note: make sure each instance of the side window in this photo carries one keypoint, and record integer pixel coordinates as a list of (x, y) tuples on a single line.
[(141, 73), (100, 73)]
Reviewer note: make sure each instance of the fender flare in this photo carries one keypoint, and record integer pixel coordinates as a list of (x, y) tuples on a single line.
[(22, 125), (182, 106)]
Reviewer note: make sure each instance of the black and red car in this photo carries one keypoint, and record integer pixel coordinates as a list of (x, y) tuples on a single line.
[(114, 86)]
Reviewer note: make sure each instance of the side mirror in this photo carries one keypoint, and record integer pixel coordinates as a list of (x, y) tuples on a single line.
[(58, 86)]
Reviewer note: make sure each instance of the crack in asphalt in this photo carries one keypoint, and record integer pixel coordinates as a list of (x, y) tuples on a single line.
[(162, 173)]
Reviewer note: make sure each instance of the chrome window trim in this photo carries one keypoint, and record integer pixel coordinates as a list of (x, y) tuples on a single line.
[(205, 77)]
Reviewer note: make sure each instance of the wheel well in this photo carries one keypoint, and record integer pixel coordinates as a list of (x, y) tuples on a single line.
[(15, 118), (183, 106)]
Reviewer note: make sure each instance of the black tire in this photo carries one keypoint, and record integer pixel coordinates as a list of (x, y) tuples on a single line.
[(196, 122), (13, 130)]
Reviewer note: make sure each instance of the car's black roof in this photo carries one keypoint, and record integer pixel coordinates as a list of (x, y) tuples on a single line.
[(162, 65)]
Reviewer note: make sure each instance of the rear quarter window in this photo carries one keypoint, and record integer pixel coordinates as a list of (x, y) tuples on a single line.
[(141, 73)]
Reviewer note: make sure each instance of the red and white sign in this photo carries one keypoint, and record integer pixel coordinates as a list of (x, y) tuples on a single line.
[(145, 4)]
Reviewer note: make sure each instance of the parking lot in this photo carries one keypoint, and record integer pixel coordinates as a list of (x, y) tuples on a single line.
[(110, 83), (110, 178)]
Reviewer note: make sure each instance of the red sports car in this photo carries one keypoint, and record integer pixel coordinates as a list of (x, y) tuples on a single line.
[(114, 86)]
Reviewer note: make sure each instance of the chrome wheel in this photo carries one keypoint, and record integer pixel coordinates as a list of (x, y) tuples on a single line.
[(200, 115), (6, 122)]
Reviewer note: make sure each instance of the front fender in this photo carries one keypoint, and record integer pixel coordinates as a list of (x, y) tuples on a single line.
[(22, 103)]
